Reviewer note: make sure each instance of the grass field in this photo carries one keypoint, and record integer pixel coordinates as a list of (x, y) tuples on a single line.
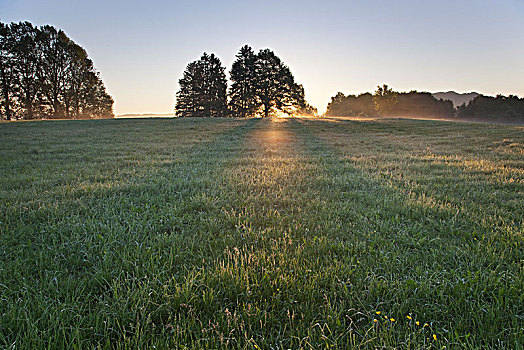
[(261, 234)]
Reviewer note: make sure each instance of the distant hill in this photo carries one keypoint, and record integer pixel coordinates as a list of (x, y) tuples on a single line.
[(456, 98)]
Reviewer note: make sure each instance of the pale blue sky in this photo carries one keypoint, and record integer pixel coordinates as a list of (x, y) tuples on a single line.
[(142, 47)]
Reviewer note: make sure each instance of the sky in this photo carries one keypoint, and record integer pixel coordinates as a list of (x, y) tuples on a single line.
[(141, 48)]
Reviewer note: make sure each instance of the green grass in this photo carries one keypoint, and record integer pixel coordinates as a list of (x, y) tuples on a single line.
[(216, 233)]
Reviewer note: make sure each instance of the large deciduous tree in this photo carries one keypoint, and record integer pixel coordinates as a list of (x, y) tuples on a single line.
[(44, 73), (7, 69), (202, 89), (54, 70), (275, 87), (27, 64)]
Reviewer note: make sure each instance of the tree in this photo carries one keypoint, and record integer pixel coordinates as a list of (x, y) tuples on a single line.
[(7, 68), (202, 89), (55, 63), (351, 105), (95, 101), (500, 109), (275, 87), (421, 104), (27, 64), (384, 99), (44, 73), (242, 99)]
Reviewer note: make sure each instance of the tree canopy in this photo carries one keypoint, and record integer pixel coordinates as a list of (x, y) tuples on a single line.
[(351, 105), (500, 108), (275, 87), (202, 89), (242, 98), (408, 104), (261, 84), (43, 73), (384, 99)]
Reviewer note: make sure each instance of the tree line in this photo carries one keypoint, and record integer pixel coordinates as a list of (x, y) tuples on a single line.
[(44, 74), (385, 102), (261, 85), (506, 109)]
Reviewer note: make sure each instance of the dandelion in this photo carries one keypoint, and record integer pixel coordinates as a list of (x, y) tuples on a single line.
[(375, 320), (392, 319), (377, 312), (417, 323), (434, 337), (408, 317)]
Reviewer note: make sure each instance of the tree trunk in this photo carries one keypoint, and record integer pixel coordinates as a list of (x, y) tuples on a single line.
[(29, 102), (29, 107), (266, 110)]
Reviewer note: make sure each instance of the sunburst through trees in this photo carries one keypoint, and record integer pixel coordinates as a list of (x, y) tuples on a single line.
[(261, 84)]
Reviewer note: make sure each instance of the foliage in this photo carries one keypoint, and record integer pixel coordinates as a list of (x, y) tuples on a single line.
[(261, 84), (409, 104), (421, 104), (351, 106), (45, 74), (500, 109), (275, 87), (384, 99), (242, 98), (202, 89), (211, 233)]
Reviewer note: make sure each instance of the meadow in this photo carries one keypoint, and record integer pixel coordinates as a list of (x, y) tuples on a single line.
[(216, 233)]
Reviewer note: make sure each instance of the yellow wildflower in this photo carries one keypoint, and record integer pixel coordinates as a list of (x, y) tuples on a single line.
[(408, 317), (434, 337), (377, 312), (392, 319), (426, 325), (375, 320), (417, 323)]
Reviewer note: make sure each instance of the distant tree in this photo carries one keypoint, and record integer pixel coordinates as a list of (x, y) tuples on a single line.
[(335, 107), (202, 89), (275, 87), (351, 105), (384, 99), (7, 69), (421, 104), (242, 98), (499, 109)]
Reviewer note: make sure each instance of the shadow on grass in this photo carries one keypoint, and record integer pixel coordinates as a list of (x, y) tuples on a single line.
[(421, 259), (98, 251)]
